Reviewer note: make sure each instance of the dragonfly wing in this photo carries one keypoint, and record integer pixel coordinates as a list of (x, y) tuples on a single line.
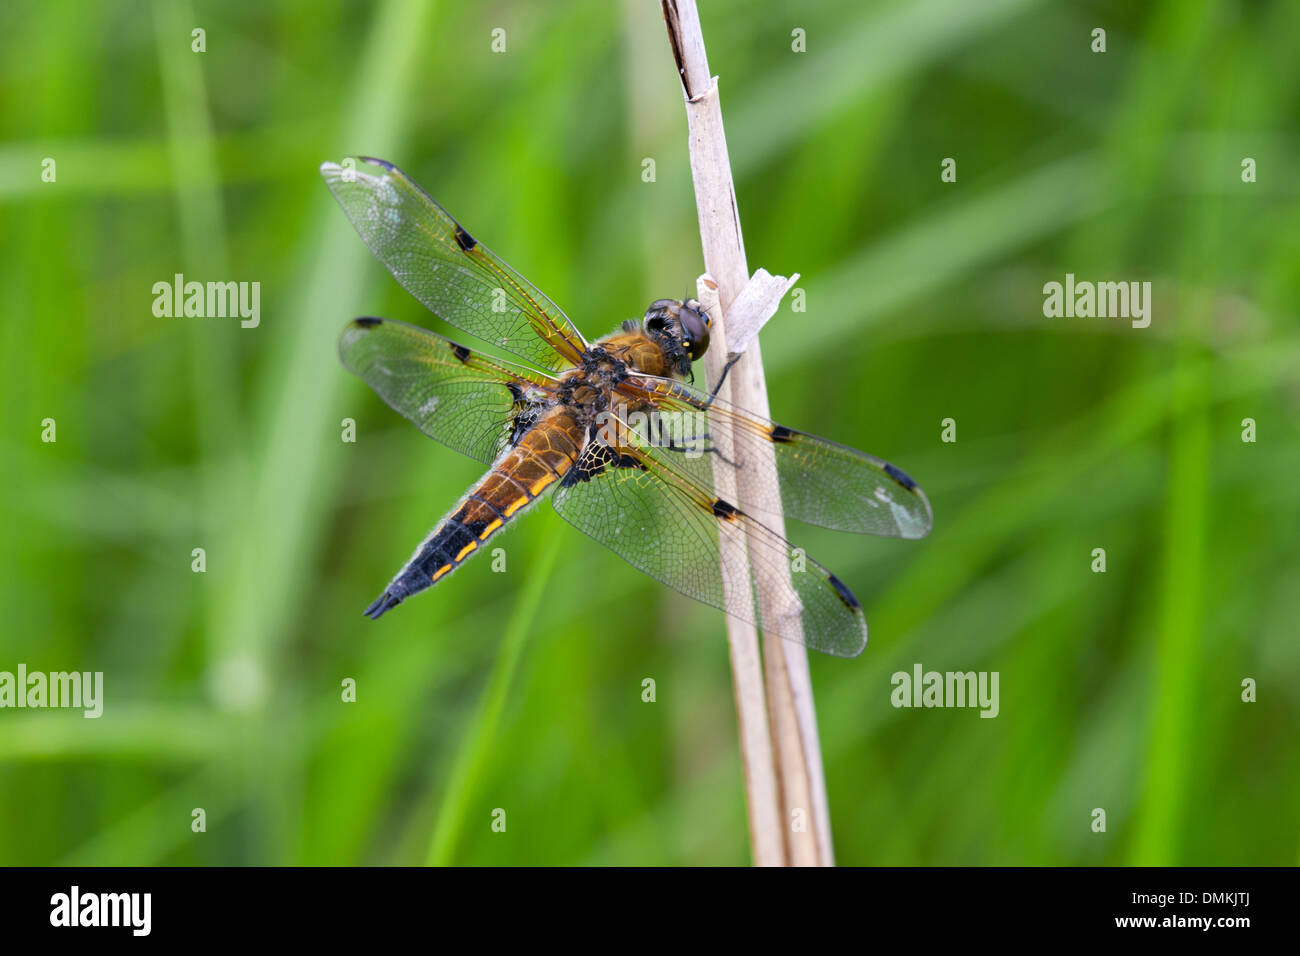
[(464, 399), (819, 481), (637, 503), (456, 277)]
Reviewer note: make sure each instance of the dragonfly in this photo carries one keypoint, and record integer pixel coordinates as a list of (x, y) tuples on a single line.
[(612, 430)]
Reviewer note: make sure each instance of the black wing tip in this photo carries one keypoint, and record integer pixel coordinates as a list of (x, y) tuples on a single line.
[(843, 591), (464, 239), (385, 602), (383, 163), (725, 509), (900, 476), (366, 322)]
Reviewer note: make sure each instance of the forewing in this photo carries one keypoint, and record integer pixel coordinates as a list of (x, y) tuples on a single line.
[(462, 398), (456, 277), (820, 482), (662, 522)]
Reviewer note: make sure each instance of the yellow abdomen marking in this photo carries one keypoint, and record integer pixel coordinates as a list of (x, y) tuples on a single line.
[(441, 571), (466, 550), (515, 506), (540, 485), (496, 523)]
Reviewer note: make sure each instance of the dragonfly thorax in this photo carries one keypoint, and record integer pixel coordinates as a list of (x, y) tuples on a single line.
[(588, 389)]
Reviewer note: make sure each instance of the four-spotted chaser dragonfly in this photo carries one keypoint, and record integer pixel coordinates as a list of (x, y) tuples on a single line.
[(611, 426)]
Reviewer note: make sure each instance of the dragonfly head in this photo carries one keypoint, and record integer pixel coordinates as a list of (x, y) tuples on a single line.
[(681, 327)]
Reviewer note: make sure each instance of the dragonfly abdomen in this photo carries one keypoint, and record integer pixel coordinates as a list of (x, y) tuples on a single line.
[(520, 477)]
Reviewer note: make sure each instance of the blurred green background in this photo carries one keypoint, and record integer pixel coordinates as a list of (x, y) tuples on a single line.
[(522, 690)]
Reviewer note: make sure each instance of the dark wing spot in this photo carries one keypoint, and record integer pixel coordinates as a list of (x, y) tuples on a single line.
[(782, 434), (460, 352), (725, 510), (842, 590), (628, 461), (584, 469), (574, 475), (379, 162), (900, 476), (366, 322), (592, 466), (464, 239)]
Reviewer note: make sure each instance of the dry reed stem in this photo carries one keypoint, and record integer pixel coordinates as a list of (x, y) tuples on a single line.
[(800, 790)]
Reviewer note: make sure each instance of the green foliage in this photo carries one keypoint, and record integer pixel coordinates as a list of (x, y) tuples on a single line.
[(522, 690)]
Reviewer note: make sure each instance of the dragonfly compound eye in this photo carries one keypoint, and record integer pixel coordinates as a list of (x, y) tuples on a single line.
[(695, 329)]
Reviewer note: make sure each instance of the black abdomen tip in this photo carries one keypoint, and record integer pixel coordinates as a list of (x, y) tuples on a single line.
[(385, 602)]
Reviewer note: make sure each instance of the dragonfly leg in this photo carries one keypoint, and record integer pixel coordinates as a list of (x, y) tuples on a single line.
[(723, 377), (709, 449)]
